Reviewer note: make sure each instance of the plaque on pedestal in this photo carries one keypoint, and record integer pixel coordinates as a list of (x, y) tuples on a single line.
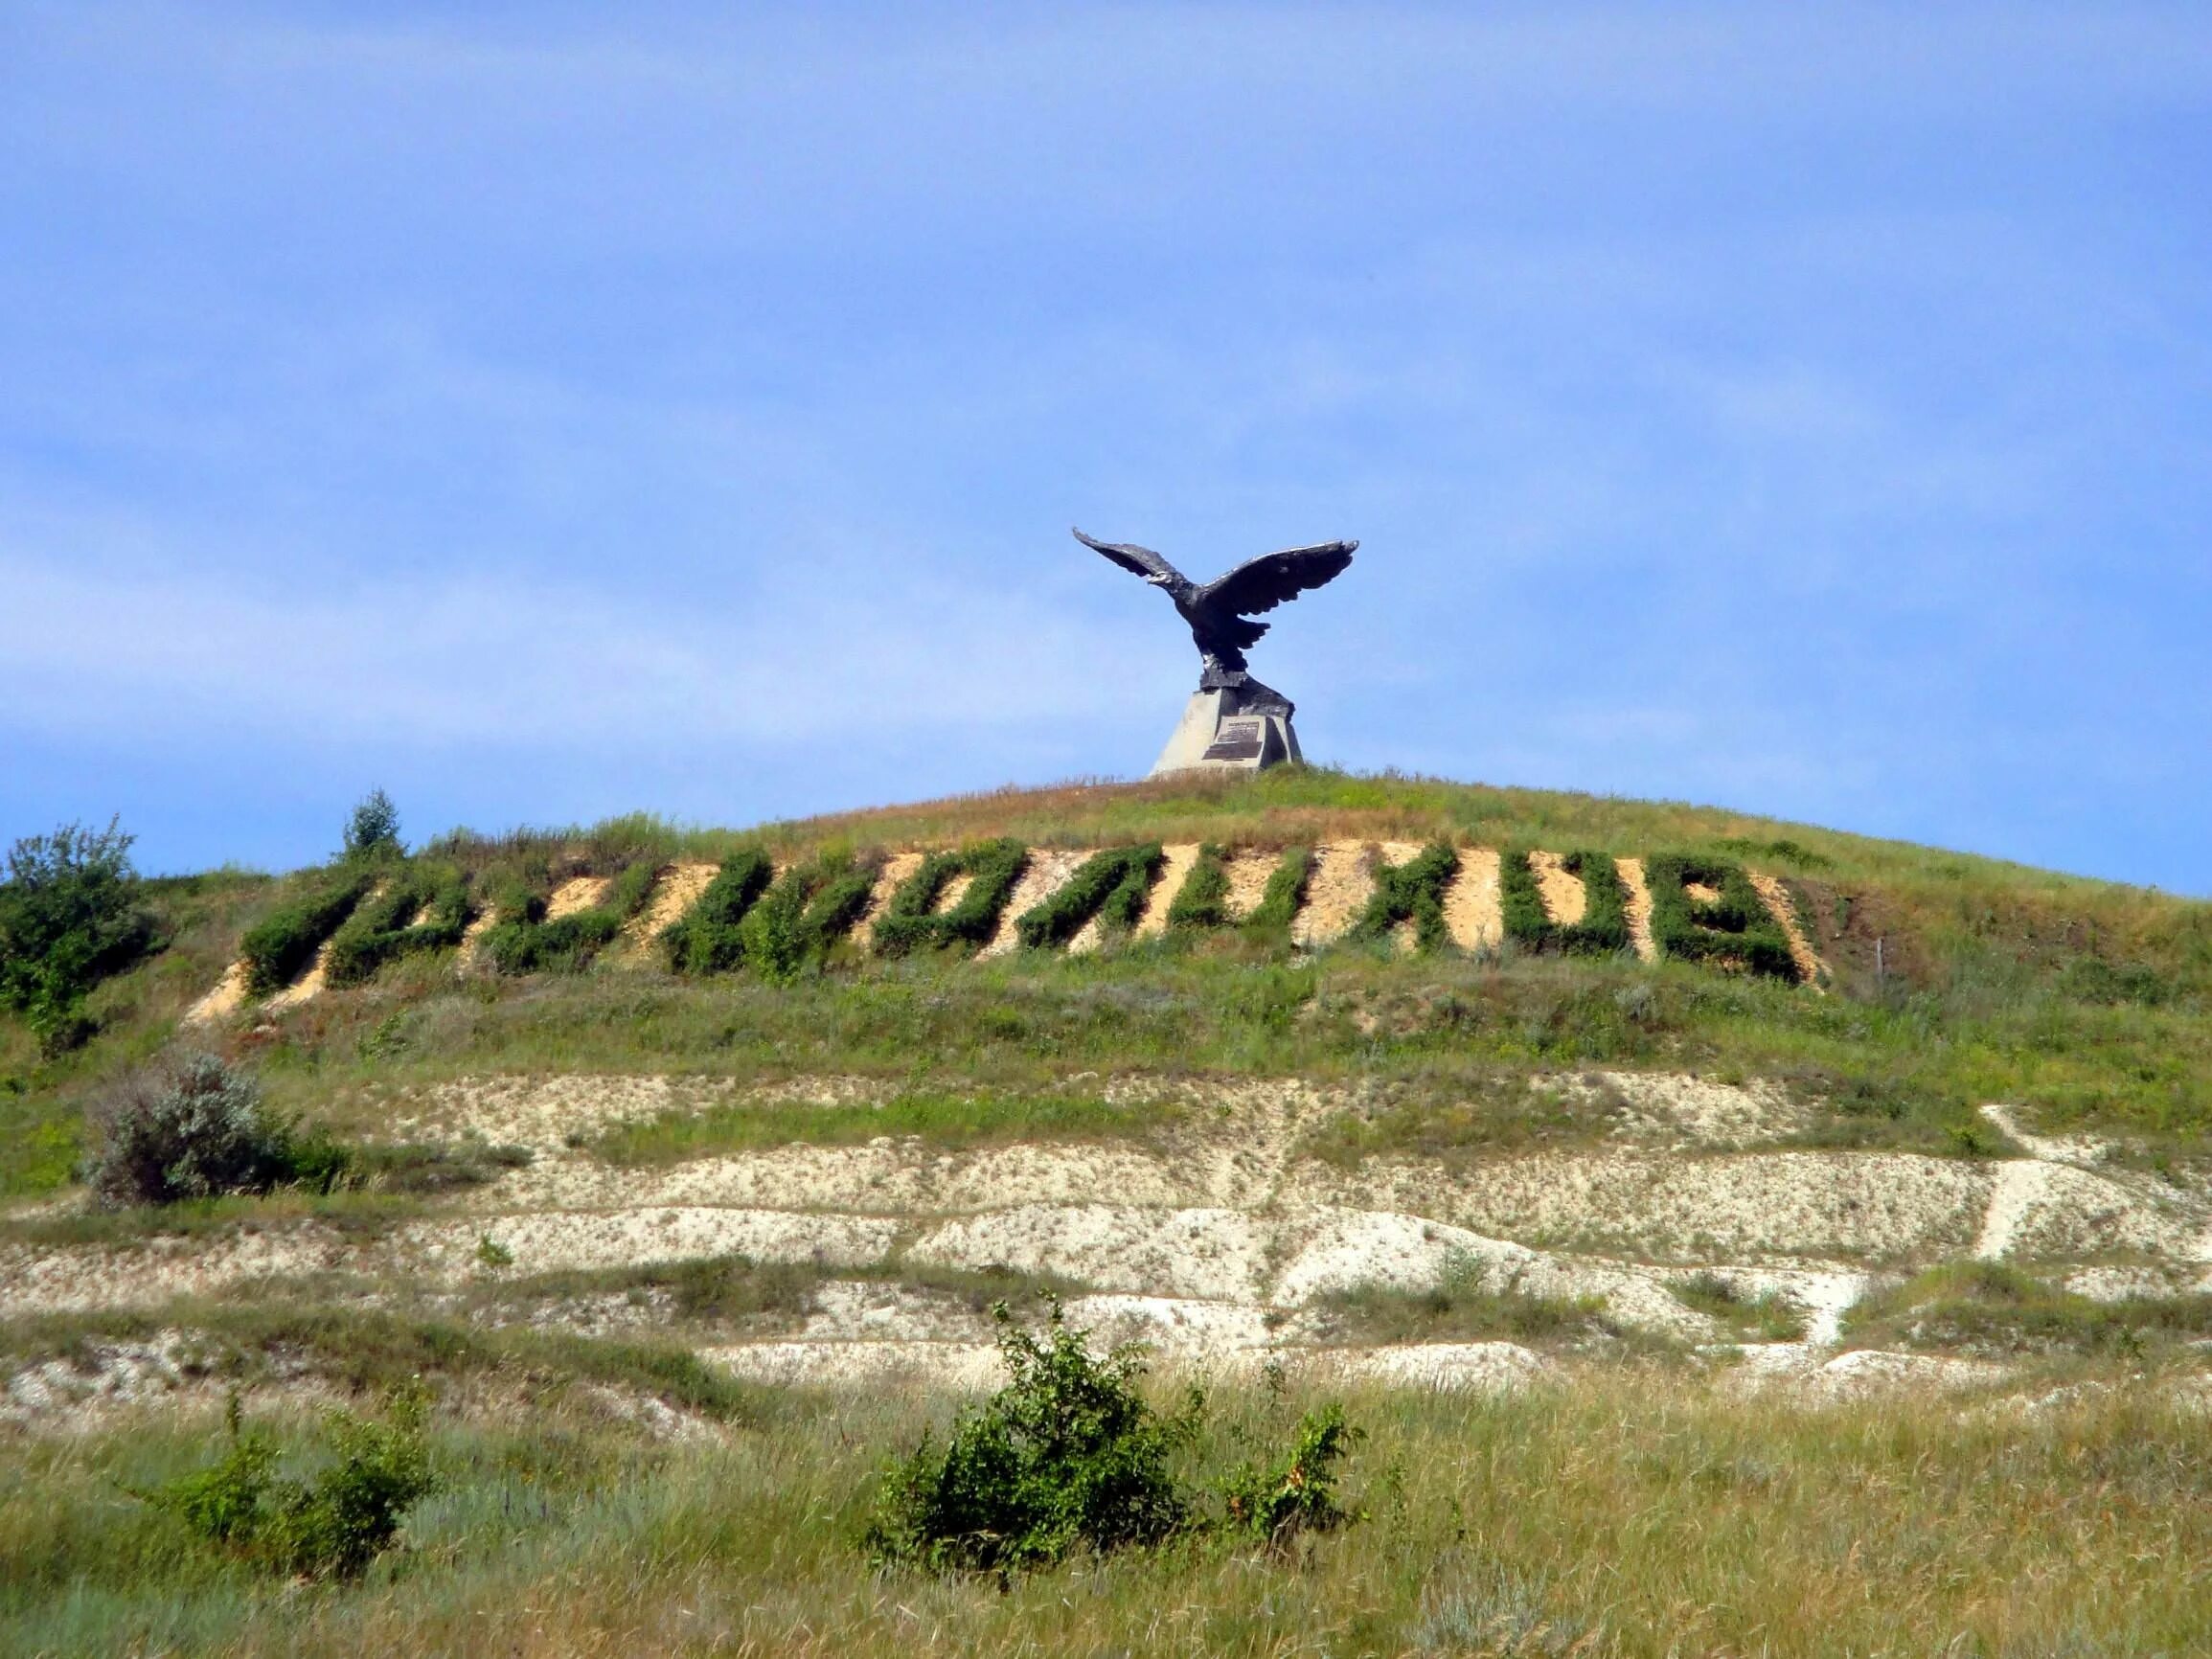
[(1220, 732)]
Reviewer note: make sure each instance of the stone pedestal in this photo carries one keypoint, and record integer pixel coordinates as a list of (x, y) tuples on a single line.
[(1218, 733)]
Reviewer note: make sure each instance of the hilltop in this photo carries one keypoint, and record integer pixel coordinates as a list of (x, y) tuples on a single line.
[(1366, 1084)]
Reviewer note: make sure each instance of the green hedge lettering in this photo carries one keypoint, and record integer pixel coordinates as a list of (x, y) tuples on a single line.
[(1111, 885), (279, 947), (805, 914), (1204, 898), (710, 938), (1604, 927), (524, 941), (1285, 892), (909, 923), (1735, 927), (385, 927), (1412, 892)]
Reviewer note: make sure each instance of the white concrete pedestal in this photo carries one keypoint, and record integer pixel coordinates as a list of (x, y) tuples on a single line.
[(1214, 736)]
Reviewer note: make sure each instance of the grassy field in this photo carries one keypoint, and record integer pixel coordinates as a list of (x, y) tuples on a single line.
[(607, 1486), (1636, 1512)]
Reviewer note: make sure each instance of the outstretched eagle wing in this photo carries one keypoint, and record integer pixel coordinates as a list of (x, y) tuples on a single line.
[(1261, 584), (1136, 561)]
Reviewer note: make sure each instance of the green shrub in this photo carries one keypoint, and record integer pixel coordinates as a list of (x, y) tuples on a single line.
[(1736, 928), (278, 948), (69, 916), (909, 922), (1204, 898), (193, 1128), (1769, 1317), (2093, 979), (1067, 1454), (332, 1526), (385, 926), (1297, 1494), (1284, 895), (374, 828), (1111, 885), (709, 937), (524, 941), (810, 907), (1412, 892), (1070, 1455), (1604, 927)]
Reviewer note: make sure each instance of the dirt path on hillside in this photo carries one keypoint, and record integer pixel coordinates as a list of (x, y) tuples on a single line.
[(1472, 909), (1174, 870), (1776, 898), (680, 887), (1336, 894), (228, 996), (1639, 907), (897, 870), (1565, 899)]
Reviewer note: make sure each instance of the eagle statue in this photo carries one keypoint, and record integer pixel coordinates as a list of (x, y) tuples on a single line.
[(1220, 612)]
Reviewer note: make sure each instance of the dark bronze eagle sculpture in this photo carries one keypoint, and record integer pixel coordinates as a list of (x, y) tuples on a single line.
[(1221, 612)]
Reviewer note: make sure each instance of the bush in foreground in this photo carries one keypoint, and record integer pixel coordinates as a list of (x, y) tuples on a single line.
[(1070, 1455), (192, 1129), (331, 1527)]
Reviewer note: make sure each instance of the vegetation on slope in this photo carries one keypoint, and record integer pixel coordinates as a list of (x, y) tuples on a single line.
[(1954, 980)]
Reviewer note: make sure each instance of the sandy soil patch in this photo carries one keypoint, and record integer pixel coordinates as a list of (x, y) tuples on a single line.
[(557, 1240), (2057, 1210), (1175, 1325), (2078, 1150), (1880, 1206), (1472, 1367), (2107, 1283), (1047, 873), (1208, 1253), (226, 999), (546, 1113), (1565, 899), (1409, 1253), (105, 1376), (1248, 875), (1336, 894), (975, 1368), (1776, 898), (897, 870), (174, 1372), (1639, 907), (1470, 904), (1694, 1112), (1865, 1372), (680, 887), (888, 1175), (952, 1367), (79, 1278), (578, 893), (866, 1310), (1174, 870)]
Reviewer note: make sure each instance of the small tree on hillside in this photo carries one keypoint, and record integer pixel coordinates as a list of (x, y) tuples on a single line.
[(70, 916), (374, 828)]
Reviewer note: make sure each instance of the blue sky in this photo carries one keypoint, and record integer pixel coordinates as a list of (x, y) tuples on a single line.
[(547, 411)]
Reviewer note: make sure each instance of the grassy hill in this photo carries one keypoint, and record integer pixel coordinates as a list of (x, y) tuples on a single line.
[(2082, 1002), (1852, 1301)]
